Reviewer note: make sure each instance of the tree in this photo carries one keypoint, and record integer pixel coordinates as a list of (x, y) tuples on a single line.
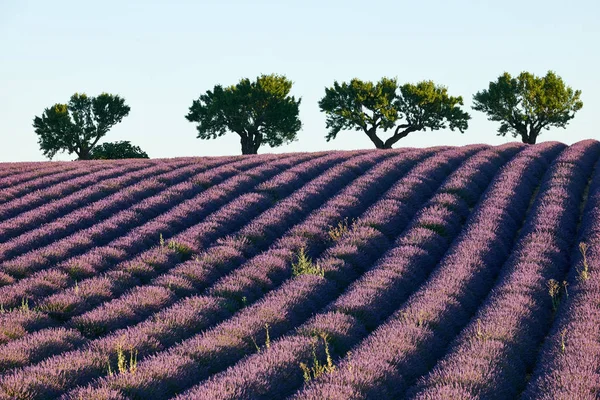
[(78, 126), (366, 106), (117, 150), (258, 111), (527, 104)]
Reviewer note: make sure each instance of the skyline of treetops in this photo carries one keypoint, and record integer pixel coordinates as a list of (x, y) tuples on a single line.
[(262, 112)]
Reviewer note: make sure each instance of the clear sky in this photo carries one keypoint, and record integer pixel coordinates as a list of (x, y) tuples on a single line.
[(161, 55)]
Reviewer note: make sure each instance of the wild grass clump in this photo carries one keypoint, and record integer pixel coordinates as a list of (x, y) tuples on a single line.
[(563, 342), (437, 228), (554, 289), (124, 363), (336, 232), (267, 340), (584, 271), (305, 266), (317, 368), (181, 249)]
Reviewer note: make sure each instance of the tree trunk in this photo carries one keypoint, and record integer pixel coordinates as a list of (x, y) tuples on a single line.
[(529, 138), (250, 141), (83, 155), (247, 146), (372, 134), (533, 137)]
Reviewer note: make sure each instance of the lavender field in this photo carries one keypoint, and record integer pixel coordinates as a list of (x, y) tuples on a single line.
[(440, 273)]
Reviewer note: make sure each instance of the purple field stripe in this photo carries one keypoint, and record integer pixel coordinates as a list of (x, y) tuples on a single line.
[(35, 198), (266, 228), (263, 258), (37, 346), (567, 366), (378, 293), (36, 208), (270, 358), (126, 303), (281, 363), (9, 171), (126, 276), (88, 206), (176, 217), (491, 357), (94, 264), (239, 211), (143, 200), (371, 158), (14, 191), (14, 188), (100, 370), (401, 349), (280, 299), (102, 319), (141, 184), (116, 224), (43, 170), (119, 312), (15, 325), (239, 284)]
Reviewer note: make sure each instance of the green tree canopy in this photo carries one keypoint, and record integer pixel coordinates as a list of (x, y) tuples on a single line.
[(369, 107), (527, 104), (116, 151), (77, 127), (260, 111)]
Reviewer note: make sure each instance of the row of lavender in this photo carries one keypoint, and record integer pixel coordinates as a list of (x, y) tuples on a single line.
[(407, 345), (100, 258), (363, 188), (493, 355), (126, 232), (280, 185), (567, 367), (19, 184), (89, 292), (367, 301), (44, 205), (58, 279), (238, 295), (288, 305), (76, 211), (131, 206)]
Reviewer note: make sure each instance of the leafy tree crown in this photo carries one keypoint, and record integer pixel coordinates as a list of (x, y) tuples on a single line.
[(261, 111), (77, 127), (369, 107), (360, 105), (526, 104)]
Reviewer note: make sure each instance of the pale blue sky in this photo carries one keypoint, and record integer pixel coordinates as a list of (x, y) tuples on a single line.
[(161, 55)]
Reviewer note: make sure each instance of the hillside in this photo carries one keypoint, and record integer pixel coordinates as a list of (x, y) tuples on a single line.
[(438, 273)]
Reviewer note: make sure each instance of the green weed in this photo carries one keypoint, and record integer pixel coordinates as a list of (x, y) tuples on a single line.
[(267, 339), (123, 363), (180, 248), (305, 266), (317, 369), (336, 232), (584, 272)]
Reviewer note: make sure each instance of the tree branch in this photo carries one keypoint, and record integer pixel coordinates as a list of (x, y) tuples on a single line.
[(399, 135), (372, 134)]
